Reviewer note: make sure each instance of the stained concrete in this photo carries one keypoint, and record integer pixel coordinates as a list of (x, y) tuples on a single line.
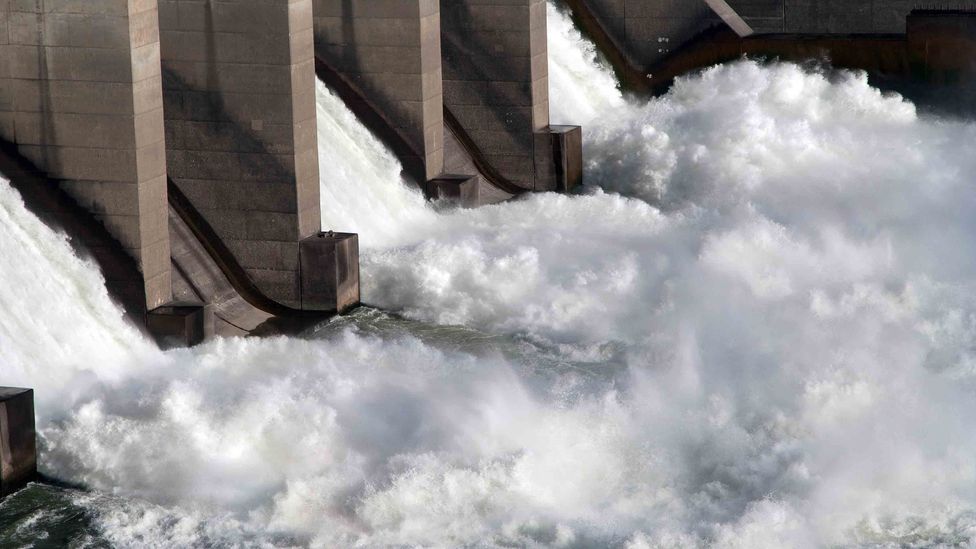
[(496, 84), (181, 325), (330, 272), (18, 439), (391, 52), (80, 98), (649, 32), (239, 89)]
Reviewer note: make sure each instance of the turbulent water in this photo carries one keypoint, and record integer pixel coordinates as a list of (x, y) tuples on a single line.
[(754, 328)]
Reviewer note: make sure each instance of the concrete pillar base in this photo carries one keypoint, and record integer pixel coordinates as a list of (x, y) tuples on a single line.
[(18, 439), (465, 190), (179, 325), (567, 152), (329, 264)]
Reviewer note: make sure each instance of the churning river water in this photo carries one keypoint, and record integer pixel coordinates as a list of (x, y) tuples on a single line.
[(755, 327)]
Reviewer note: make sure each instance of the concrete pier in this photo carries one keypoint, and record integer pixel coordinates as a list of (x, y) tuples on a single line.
[(496, 82), (80, 98), (657, 39), (18, 439), (391, 52), (239, 88)]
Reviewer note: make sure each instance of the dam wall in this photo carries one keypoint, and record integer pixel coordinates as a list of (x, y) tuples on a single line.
[(649, 44), (239, 90), (836, 16), (80, 98), (187, 130), (496, 83), (390, 52)]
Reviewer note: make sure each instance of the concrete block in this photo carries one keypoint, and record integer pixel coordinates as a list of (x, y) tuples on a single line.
[(179, 325), (567, 145), (18, 439), (464, 190), (329, 272)]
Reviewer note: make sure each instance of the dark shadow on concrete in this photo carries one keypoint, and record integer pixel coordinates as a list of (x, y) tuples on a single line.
[(469, 58), (379, 125), (483, 165), (629, 76), (226, 261), (88, 237), (373, 118)]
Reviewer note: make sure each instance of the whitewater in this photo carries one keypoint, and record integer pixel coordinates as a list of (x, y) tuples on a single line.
[(754, 327)]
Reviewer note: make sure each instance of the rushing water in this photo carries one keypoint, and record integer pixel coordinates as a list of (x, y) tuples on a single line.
[(754, 328)]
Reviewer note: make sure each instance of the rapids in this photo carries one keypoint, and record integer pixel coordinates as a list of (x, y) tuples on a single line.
[(755, 327)]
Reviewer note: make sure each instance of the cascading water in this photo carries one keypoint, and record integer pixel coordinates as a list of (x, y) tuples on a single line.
[(755, 328)]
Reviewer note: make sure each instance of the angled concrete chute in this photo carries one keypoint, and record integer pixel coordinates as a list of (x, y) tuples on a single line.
[(225, 260), (485, 167), (381, 126), (731, 18)]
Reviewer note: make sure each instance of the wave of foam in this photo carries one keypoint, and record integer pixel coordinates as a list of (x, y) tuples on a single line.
[(785, 277)]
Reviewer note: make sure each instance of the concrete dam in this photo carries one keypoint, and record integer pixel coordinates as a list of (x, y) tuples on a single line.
[(751, 325), (182, 136), (176, 140)]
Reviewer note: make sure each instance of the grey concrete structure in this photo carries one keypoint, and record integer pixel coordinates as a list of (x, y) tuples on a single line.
[(836, 16), (239, 89), (80, 98), (648, 32), (496, 83), (330, 272), (390, 51), (464, 190), (18, 439)]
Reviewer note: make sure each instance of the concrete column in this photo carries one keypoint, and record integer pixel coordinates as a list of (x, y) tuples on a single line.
[(80, 97), (496, 82), (390, 50), (239, 89)]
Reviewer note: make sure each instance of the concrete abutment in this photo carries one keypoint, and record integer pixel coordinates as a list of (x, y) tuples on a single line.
[(187, 129)]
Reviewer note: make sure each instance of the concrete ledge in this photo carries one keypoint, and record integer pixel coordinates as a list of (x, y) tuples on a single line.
[(179, 325), (329, 270), (18, 439), (465, 190)]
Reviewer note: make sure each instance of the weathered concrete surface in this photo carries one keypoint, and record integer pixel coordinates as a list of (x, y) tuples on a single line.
[(836, 16), (942, 48), (239, 89), (496, 83), (330, 272), (18, 439), (648, 33), (390, 51), (80, 97)]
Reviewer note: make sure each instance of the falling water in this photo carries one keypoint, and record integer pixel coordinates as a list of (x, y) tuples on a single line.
[(753, 328)]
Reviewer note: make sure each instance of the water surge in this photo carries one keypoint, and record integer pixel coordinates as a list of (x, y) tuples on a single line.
[(754, 328)]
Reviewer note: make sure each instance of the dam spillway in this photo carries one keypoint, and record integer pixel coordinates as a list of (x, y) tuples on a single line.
[(752, 329)]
